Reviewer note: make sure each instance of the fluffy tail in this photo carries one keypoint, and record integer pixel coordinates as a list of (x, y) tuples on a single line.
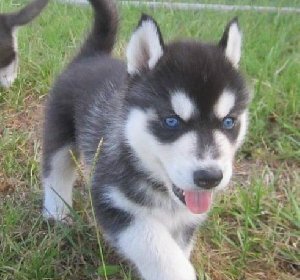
[(102, 37), (26, 14)]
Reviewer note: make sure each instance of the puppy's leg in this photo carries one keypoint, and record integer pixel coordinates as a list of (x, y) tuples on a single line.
[(186, 240), (152, 249), (9, 73), (59, 172), (58, 184)]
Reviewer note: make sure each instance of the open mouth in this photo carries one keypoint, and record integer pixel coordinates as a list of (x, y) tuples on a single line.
[(179, 193), (197, 202)]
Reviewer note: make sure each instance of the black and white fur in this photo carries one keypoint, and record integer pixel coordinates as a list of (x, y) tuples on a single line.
[(8, 39), (145, 168)]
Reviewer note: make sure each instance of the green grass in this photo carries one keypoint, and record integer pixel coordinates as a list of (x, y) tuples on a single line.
[(272, 3), (253, 231)]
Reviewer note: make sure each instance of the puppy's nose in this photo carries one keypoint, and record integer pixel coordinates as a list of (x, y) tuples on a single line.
[(207, 178)]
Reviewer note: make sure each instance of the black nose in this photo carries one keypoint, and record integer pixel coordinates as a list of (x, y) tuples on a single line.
[(208, 178)]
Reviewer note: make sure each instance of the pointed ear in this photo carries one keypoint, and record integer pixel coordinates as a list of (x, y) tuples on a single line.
[(231, 42), (145, 47)]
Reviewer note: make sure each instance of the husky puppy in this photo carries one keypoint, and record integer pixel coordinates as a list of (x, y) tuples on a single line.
[(171, 120), (8, 39)]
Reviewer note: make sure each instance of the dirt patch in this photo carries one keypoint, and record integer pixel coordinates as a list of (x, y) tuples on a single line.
[(28, 119), (25, 121)]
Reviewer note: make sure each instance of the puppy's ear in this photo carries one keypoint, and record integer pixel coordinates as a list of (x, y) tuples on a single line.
[(145, 46), (231, 42)]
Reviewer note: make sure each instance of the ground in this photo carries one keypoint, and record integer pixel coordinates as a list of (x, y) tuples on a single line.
[(253, 230)]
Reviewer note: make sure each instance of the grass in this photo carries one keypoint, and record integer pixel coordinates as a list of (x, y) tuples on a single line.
[(253, 231), (273, 3)]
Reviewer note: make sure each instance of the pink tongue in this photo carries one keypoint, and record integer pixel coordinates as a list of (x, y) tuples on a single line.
[(198, 201)]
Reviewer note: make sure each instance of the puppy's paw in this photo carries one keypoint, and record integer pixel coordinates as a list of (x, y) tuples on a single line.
[(54, 216), (6, 83), (185, 273)]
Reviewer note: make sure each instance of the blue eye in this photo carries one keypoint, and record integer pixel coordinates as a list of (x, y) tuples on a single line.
[(172, 122), (228, 123)]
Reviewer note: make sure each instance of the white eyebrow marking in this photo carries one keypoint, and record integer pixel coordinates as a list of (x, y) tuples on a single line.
[(224, 104), (183, 106)]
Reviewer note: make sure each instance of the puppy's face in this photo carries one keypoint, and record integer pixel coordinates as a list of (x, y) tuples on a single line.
[(187, 111)]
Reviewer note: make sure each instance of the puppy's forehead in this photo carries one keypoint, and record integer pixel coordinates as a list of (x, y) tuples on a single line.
[(207, 82)]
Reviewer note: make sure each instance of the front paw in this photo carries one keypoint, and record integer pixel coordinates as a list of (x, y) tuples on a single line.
[(182, 273), (56, 216)]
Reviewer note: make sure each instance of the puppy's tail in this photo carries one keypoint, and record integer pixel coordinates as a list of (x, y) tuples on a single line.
[(103, 34), (27, 14)]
